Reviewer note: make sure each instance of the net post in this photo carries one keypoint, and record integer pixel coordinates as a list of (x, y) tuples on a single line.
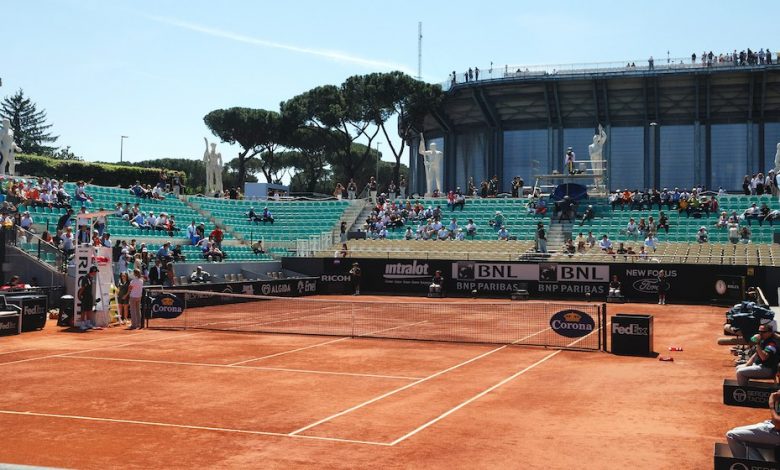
[(603, 327)]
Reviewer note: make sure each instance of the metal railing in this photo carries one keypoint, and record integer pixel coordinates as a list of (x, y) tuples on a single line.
[(35, 246), (520, 72)]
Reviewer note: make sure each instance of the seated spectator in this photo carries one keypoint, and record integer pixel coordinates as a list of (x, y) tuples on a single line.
[(212, 252), (26, 222), (723, 220), (252, 216), (459, 235), (503, 233), (642, 253), (763, 214), (164, 253), (267, 216), (614, 287), (632, 229), (581, 243), (591, 240), (498, 221), (588, 215), (605, 244), (733, 232), (702, 236), (81, 193), (569, 248), (744, 235), (651, 242), (258, 249), (751, 213), (541, 207), (621, 249), (615, 199), (199, 275), (177, 255), (408, 235), (192, 233)]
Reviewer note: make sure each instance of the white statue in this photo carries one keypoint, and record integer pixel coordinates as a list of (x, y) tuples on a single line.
[(596, 157), (433, 161), (213, 162), (777, 159), (8, 149)]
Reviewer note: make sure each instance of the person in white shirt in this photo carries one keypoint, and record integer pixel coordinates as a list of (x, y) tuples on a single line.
[(605, 244), (136, 291), (651, 242), (503, 233), (67, 241), (632, 230), (26, 222)]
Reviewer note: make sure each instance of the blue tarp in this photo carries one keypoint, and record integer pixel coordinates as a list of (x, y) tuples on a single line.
[(575, 191)]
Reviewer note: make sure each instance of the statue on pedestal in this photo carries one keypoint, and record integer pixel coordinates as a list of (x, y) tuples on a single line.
[(777, 160), (8, 149), (432, 158), (596, 157), (213, 162)]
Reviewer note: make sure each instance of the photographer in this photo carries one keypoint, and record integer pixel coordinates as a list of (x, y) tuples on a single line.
[(570, 159)]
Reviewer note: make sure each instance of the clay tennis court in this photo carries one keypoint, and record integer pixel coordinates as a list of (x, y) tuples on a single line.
[(194, 398)]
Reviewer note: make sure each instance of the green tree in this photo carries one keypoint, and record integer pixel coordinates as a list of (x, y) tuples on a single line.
[(336, 109), (31, 131), (259, 132)]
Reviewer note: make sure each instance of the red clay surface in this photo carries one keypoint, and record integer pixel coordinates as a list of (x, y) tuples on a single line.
[(183, 399)]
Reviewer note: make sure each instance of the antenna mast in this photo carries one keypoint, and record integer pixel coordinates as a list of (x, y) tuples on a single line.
[(419, 50)]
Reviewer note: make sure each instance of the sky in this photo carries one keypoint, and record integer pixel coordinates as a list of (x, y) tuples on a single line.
[(151, 70)]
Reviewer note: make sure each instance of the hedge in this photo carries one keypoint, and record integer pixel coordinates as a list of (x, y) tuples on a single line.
[(104, 174)]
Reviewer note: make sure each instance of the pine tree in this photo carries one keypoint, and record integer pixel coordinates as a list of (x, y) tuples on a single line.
[(29, 124)]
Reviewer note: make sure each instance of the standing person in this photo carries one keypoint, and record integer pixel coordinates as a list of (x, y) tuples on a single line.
[(372, 189), (86, 295), (763, 363), (123, 297), (761, 434), (135, 292), (351, 189), (343, 232), (356, 274), (402, 188), (661, 287), (541, 238)]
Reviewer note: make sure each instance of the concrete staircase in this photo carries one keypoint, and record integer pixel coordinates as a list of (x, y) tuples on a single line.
[(357, 224)]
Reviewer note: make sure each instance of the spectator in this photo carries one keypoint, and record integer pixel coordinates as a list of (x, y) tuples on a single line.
[(164, 253), (267, 215), (343, 232), (733, 232), (751, 213), (157, 274), (744, 235), (702, 236), (763, 214), (503, 233), (587, 215), (86, 294), (351, 189), (605, 244), (338, 192), (217, 235), (541, 238), (498, 221), (65, 220), (614, 286), (632, 229), (471, 229), (257, 247), (199, 275), (651, 242), (212, 252), (177, 255)]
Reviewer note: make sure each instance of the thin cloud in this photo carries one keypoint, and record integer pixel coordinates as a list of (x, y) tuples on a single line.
[(335, 56)]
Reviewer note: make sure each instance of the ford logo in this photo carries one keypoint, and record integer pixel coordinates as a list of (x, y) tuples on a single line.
[(648, 286)]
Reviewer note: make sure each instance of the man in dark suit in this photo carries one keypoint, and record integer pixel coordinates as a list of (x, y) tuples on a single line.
[(157, 274)]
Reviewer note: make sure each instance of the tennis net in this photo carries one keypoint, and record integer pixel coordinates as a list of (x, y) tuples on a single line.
[(540, 323)]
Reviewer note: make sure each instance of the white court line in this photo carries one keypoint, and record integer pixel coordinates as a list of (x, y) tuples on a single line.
[(202, 364), (400, 389), (265, 323), (290, 351), (322, 344), (486, 391), (186, 426), (97, 349)]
